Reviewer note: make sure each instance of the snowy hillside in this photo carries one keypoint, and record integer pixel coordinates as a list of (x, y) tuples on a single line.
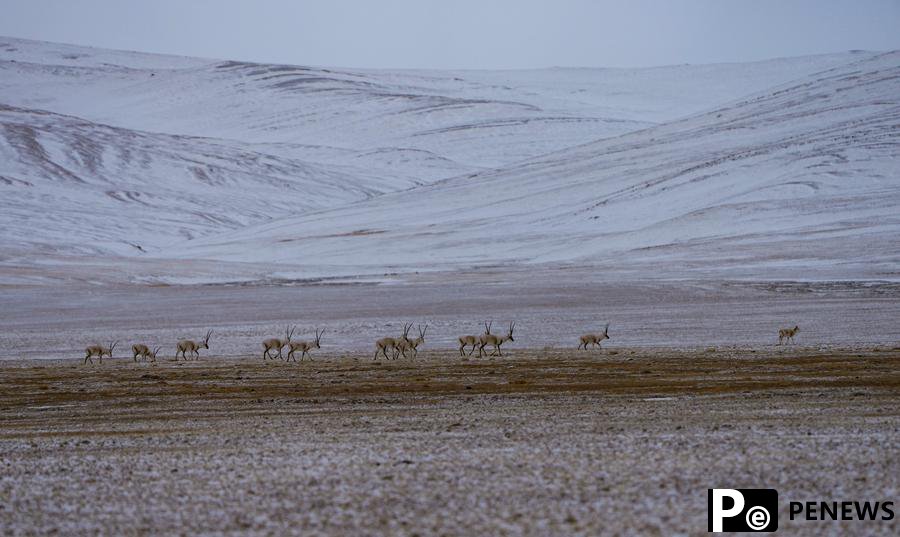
[(802, 176), (72, 186), (133, 159)]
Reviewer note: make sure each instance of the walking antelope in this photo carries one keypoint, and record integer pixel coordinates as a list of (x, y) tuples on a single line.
[(594, 339), (787, 334), (465, 341), (494, 341), (275, 344), (385, 343), (406, 344), (99, 351), (304, 346), (190, 346), (143, 351)]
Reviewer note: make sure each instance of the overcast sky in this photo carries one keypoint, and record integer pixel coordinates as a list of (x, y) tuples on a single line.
[(484, 34)]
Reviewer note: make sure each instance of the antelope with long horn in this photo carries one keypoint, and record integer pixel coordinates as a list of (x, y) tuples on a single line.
[(144, 352), (495, 341), (151, 356), (594, 339), (786, 335), (275, 344), (190, 346), (99, 351), (412, 345), (304, 346), (385, 343)]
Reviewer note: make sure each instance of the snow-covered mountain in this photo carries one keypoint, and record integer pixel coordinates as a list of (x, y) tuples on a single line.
[(787, 166), (803, 174)]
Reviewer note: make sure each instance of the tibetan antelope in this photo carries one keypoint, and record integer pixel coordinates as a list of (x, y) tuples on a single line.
[(594, 339), (465, 341), (144, 352), (786, 335), (275, 344), (139, 349), (152, 355), (304, 346), (412, 345), (494, 341), (190, 346), (385, 343), (99, 351)]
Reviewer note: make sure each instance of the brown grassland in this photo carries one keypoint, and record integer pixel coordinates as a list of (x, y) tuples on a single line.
[(538, 442)]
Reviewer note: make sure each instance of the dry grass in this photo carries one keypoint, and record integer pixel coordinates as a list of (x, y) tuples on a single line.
[(647, 372), (538, 442)]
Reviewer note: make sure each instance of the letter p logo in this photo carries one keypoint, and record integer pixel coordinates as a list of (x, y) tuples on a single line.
[(717, 510), (742, 510)]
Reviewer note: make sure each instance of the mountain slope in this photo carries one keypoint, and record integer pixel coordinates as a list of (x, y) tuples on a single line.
[(122, 157), (800, 177), (76, 187), (474, 118)]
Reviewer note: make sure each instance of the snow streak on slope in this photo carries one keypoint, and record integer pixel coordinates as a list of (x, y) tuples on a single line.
[(72, 186), (802, 176), (477, 118), (435, 113)]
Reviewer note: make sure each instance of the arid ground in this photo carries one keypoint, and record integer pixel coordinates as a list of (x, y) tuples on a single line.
[(539, 442)]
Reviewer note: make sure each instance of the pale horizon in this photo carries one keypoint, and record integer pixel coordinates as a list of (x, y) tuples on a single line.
[(402, 34)]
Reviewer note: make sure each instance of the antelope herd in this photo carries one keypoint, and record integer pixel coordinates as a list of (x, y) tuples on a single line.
[(399, 346)]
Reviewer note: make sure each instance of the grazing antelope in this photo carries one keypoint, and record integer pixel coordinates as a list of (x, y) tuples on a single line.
[(787, 334), (189, 346), (138, 349), (385, 343), (275, 344), (99, 351), (494, 341), (304, 346), (152, 355), (406, 344), (143, 351), (594, 339)]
